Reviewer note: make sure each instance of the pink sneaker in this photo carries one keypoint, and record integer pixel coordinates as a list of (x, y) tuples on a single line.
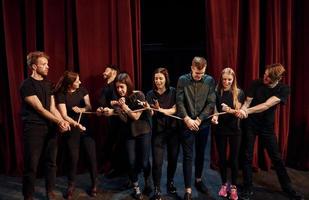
[(233, 192), (223, 190)]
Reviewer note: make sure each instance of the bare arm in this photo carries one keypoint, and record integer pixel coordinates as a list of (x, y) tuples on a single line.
[(37, 105), (270, 102)]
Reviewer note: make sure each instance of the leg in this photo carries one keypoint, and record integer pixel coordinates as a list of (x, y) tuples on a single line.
[(187, 141), (173, 145), (200, 144), (234, 142), (158, 144), (221, 141), (33, 145)]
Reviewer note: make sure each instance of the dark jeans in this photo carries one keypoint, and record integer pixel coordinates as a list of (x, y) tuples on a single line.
[(234, 143), (269, 141), (138, 150), (40, 142), (187, 140), (88, 148), (73, 141), (170, 139)]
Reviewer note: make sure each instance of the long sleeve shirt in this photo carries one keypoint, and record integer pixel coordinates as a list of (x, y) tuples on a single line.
[(196, 98)]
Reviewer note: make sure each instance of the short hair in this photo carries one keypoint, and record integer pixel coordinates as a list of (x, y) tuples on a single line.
[(199, 62), (275, 71), (32, 57), (125, 79), (113, 66), (163, 71)]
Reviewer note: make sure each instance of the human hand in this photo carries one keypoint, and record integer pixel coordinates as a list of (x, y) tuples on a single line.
[(78, 109), (214, 119)]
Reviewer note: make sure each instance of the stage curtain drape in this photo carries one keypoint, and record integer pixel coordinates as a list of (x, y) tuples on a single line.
[(82, 36), (246, 36)]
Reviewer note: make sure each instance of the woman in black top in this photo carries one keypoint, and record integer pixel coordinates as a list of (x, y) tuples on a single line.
[(164, 129), (136, 127), (229, 98), (71, 101)]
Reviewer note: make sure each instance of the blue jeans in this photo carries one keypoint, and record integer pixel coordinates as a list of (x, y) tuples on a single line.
[(187, 140), (138, 150)]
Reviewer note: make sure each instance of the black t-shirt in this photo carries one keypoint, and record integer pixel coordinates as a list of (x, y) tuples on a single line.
[(43, 90), (166, 100), (143, 123), (107, 94), (228, 123), (260, 93), (75, 98)]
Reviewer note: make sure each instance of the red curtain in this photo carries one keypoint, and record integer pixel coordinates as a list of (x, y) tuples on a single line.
[(247, 35), (82, 36)]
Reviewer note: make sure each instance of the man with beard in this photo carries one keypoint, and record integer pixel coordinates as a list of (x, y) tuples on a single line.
[(39, 114)]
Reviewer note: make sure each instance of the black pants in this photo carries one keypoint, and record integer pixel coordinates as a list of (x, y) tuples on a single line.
[(40, 142), (234, 143), (138, 150), (187, 140), (269, 141), (73, 140), (170, 139)]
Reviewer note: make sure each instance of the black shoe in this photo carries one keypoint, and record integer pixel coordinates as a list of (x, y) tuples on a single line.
[(201, 187), (293, 195), (170, 187), (246, 194), (188, 196), (147, 189), (157, 194), (51, 195)]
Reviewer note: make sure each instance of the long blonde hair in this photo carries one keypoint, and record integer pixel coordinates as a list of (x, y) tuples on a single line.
[(234, 88)]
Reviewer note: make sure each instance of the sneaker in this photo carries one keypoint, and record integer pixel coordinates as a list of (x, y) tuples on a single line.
[(157, 194), (201, 187), (187, 196), (293, 195), (233, 193), (137, 193), (223, 190), (170, 187)]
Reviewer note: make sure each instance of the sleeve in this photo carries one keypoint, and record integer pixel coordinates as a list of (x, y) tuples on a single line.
[(27, 89), (180, 98), (60, 98), (283, 93), (211, 101), (84, 91), (252, 88)]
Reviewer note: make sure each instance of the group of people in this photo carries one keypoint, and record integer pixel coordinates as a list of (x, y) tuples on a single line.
[(166, 117)]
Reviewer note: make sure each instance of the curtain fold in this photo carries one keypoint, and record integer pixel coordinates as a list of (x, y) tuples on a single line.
[(82, 36)]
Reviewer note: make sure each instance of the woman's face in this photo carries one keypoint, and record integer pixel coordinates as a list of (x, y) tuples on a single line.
[(159, 80), (76, 83), (121, 89), (227, 81)]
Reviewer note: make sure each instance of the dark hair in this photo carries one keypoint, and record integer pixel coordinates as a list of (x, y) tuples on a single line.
[(199, 62), (163, 71), (113, 66), (65, 81), (125, 79), (32, 57)]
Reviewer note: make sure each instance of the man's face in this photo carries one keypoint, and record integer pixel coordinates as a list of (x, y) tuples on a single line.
[(266, 79), (197, 74), (107, 73), (41, 67)]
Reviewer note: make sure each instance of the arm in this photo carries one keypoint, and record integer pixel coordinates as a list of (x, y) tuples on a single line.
[(210, 102), (270, 102), (180, 98), (37, 105), (84, 109), (168, 111), (63, 111)]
